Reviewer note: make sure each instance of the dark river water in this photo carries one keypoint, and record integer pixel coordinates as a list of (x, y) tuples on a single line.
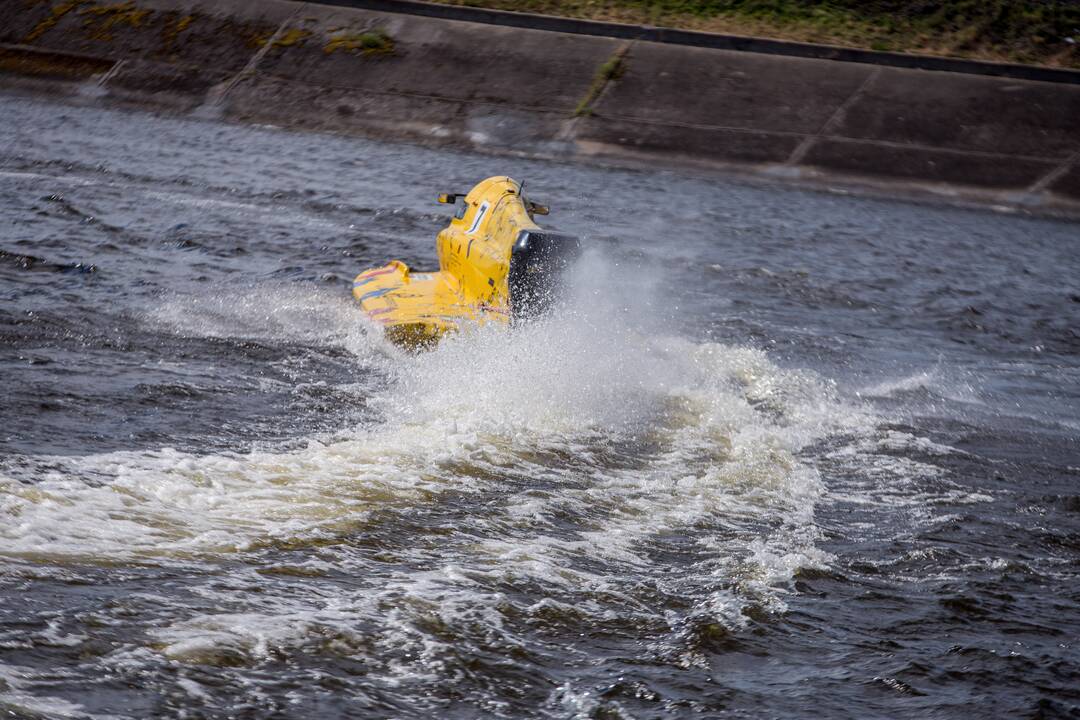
[(779, 454)]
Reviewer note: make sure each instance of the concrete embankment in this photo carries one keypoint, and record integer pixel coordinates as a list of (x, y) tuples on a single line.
[(543, 92)]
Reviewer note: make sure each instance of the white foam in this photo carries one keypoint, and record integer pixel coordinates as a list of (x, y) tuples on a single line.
[(658, 436), (944, 382), (18, 695), (897, 441), (922, 380), (275, 311)]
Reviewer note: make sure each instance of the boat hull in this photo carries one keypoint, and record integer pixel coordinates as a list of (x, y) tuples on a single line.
[(494, 263)]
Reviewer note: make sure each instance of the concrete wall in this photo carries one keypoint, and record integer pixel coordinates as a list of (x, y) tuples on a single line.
[(541, 92)]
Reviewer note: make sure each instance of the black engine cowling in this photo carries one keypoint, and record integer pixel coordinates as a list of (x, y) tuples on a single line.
[(538, 263)]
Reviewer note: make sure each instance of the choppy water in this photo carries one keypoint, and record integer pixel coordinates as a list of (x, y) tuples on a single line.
[(783, 454)]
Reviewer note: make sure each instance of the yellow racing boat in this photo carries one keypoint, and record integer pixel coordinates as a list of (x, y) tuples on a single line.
[(495, 265)]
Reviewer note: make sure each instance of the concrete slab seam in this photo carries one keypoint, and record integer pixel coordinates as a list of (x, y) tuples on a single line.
[(1054, 175), (569, 129), (216, 96), (843, 138), (834, 120), (104, 79)]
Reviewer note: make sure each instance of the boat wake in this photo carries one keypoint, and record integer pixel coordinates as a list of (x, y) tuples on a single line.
[(588, 469)]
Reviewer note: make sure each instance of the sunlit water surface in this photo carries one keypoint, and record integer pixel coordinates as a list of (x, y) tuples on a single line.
[(778, 454)]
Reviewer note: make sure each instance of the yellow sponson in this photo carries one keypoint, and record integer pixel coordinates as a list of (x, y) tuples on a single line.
[(495, 264)]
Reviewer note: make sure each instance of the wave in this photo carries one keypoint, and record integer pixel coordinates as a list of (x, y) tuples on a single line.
[(570, 455)]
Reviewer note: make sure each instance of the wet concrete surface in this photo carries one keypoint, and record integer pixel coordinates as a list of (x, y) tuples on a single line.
[(527, 91)]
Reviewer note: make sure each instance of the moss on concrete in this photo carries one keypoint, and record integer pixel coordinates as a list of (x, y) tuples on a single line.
[(102, 20), (369, 42), (175, 24), (57, 14), (290, 37), (611, 69)]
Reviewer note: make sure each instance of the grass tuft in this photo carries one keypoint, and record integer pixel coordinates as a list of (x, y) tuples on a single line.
[(372, 42), (612, 69)]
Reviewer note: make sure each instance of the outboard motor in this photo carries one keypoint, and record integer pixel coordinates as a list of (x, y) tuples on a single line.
[(538, 263)]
